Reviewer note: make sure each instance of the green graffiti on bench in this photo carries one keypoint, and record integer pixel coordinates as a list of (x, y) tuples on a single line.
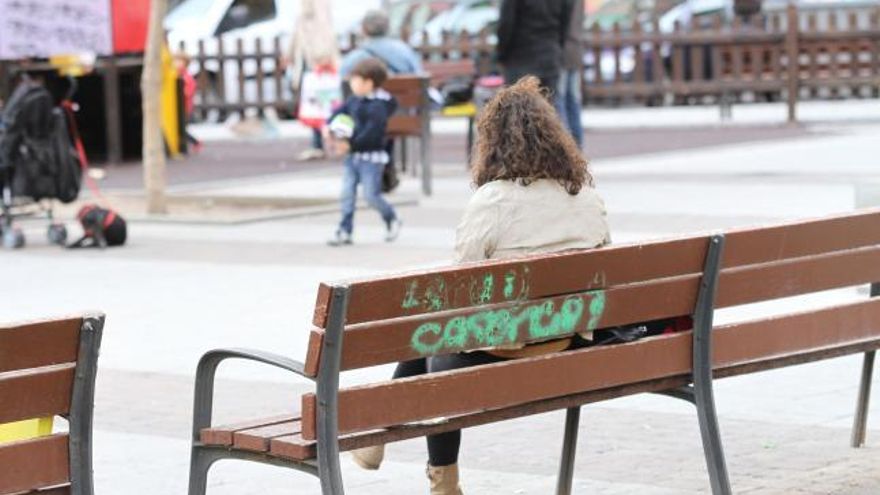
[(438, 295), (504, 326)]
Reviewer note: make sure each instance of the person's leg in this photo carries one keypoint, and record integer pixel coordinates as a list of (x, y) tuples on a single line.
[(513, 74), (443, 448), (371, 176), (317, 140), (573, 105), (371, 457), (349, 196), (550, 84), (561, 99)]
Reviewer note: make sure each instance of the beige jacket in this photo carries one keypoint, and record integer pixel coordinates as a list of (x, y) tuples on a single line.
[(314, 39), (507, 220)]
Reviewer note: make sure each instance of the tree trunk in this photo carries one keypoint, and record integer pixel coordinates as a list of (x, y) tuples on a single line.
[(151, 87)]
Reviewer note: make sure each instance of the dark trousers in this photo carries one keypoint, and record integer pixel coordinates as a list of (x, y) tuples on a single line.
[(549, 82), (443, 447)]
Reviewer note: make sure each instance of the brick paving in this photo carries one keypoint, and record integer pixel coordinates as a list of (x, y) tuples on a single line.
[(178, 290)]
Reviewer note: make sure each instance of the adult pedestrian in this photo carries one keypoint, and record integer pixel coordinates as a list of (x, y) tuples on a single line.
[(313, 48), (568, 98), (398, 57), (531, 34)]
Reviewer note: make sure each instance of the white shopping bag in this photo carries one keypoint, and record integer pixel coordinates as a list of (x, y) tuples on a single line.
[(321, 93)]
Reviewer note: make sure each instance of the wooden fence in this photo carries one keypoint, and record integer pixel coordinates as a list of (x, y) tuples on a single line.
[(782, 55), (768, 58)]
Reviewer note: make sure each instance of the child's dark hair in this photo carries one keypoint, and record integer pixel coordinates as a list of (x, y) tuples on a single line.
[(520, 138), (372, 69)]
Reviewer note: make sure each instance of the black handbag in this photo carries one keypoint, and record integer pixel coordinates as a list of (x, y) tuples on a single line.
[(390, 180)]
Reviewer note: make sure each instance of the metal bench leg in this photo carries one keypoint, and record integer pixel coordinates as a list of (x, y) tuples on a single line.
[(702, 374), (569, 448), (861, 419), (329, 470), (201, 461)]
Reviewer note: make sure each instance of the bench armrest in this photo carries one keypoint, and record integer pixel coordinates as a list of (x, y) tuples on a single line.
[(203, 403)]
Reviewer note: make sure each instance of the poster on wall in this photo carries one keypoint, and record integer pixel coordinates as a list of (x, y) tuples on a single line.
[(41, 28)]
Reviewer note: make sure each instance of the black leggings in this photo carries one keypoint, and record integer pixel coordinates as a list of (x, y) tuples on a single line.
[(443, 447)]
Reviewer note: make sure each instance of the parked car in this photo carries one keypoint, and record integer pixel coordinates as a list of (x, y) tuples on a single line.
[(215, 22), (411, 16), (467, 16)]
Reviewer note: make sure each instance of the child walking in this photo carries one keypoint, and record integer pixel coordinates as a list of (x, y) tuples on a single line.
[(357, 129)]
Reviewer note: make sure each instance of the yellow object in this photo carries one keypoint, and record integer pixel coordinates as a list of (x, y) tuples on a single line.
[(460, 110), (168, 99), (24, 430), (72, 64)]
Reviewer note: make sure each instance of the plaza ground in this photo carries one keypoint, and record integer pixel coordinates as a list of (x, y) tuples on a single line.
[(179, 289)]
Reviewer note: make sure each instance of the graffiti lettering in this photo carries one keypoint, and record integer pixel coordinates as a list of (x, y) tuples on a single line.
[(503, 326)]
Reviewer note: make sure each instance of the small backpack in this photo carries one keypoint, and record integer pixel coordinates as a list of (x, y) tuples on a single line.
[(101, 227)]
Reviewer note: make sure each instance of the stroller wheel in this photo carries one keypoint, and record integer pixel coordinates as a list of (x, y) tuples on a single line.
[(57, 234), (13, 238)]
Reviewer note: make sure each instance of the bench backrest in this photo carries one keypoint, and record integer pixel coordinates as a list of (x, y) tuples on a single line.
[(443, 71), (47, 368), (413, 103), (460, 308)]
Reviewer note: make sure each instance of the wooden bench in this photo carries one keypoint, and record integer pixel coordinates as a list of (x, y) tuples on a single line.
[(443, 71), (413, 120), (447, 310), (48, 368)]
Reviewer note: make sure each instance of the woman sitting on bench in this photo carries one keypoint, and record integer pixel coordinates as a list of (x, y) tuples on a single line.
[(535, 195)]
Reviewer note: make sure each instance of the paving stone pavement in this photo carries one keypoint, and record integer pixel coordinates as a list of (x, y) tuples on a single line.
[(178, 290)]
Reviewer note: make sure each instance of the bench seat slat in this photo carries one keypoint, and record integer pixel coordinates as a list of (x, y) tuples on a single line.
[(33, 464), (223, 434), (464, 391), (40, 343), (36, 393), (293, 447), (257, 439), (55, 490), (566, 273)]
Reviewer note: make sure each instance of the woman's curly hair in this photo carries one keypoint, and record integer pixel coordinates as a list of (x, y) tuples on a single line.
[(521, 138)]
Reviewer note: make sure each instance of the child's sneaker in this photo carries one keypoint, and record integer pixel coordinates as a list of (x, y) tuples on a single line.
[(392, 230), (340, 238)]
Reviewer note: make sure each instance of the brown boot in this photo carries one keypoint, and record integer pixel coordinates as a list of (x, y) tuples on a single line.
[(369, 457), (444, 480)]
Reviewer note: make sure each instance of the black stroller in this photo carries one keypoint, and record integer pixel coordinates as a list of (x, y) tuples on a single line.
[(39, 161)]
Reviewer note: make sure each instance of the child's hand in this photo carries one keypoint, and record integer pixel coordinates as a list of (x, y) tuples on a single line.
[(341, 146)]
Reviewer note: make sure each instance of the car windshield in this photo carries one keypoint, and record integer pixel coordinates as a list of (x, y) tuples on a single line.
[(189, 9)]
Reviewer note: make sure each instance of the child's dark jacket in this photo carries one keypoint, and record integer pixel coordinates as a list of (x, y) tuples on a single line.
[(370, 114)]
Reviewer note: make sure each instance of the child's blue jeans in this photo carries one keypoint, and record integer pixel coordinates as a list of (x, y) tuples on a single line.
[(370, 175)]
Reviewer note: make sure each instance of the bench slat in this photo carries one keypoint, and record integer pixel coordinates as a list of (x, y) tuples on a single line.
[(409, 91), (57, 490), (293, 447), (408, 338), (36, 392), (404, 125), (223, 434), (257, 439), (557, 375), (461, 286), (34, 464), (39, 343)]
